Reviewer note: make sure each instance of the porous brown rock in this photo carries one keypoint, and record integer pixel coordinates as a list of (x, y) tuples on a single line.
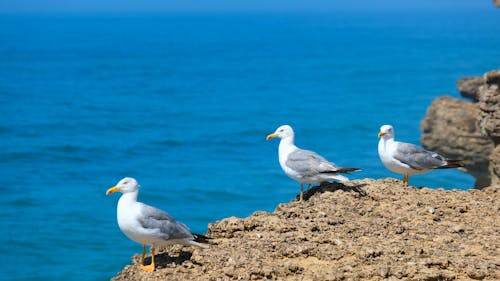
[(489, 119), (469, 87), (468, 131), (489, 103), (363, 230), (450, 128)]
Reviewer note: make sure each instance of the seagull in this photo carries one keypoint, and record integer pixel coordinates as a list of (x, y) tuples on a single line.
[(408, 159), (304, 166), (147, 225)]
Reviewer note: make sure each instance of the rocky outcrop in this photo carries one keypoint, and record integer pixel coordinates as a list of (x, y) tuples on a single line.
[(489, 103), (469, 87), (489, 119), (363, 230), (468, 131), (450, 128)]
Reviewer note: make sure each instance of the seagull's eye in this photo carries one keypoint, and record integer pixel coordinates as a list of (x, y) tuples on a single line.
[(125, 182)]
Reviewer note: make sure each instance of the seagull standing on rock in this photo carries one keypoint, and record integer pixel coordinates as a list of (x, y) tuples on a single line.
[(304, 166), (147, 225), (408, 159)]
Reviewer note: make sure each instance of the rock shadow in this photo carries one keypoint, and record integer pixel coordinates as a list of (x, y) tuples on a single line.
[(164, 259), (331, 187)]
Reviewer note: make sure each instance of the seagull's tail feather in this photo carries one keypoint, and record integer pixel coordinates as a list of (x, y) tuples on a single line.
[(334, 175), (200, 240), (347, 170), (337, 177), (201, 245), (341, 178), (452, 164)]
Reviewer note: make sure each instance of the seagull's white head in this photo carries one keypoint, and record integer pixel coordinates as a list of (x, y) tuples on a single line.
[(282, 132), (124, 186), (386, 132)]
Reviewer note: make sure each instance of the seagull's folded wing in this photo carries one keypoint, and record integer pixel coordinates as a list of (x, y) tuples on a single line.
[(417, 158), (165, 226), (309, 163)]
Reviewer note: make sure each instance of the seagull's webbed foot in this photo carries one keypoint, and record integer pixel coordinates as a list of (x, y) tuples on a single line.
[(148, 268)]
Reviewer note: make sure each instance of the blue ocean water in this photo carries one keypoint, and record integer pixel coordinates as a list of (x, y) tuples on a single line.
[(183, 102)]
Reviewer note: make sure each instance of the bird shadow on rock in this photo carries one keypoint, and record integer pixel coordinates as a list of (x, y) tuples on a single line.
[(332, 187), (164, 259)]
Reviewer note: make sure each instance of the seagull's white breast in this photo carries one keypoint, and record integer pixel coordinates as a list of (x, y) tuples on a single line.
[(284, 150), (128, 212), (386, 150)]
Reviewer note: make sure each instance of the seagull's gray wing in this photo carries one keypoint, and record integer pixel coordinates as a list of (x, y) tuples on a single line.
[(168, 227), (309, 163), (417, 157)]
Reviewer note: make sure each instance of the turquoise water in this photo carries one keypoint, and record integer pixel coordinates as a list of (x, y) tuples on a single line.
[(183, 104)]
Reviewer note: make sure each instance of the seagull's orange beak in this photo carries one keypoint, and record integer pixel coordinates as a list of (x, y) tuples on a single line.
[(112, 190), (380, 134), (271, 136)]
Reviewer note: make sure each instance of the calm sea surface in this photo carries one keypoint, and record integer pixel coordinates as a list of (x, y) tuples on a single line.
[(183, 104)]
